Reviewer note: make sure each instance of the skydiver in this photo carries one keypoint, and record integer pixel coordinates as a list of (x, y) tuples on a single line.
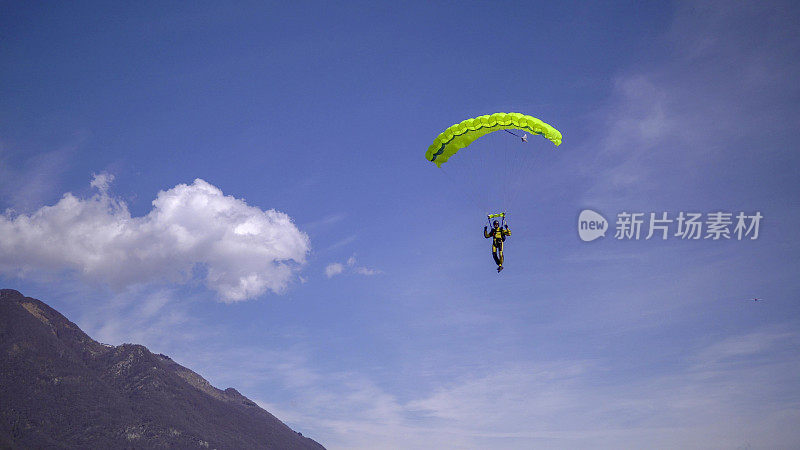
[(498, 235)]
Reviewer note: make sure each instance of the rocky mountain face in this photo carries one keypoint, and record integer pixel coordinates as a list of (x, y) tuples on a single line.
[(59, 388)]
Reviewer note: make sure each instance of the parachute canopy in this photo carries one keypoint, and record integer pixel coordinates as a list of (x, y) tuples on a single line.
[(460, 135)]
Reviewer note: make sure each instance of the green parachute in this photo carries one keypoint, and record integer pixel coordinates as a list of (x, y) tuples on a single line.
[(460, 135)]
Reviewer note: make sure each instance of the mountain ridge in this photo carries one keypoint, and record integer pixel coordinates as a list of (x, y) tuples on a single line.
[(60, 388)]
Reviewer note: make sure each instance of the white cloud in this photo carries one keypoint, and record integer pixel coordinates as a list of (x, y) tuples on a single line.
[(194, 230), (102, 181), (350, 266), (333, 269), (366, 271)]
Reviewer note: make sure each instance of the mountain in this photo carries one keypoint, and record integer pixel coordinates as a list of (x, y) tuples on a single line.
[(59, 388)]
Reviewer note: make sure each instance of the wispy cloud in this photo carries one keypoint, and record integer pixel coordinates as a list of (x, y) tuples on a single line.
[(553, 404), (734, 349), (679, 115), (102, 182), (326, 221), (26, 185), (333, 269), (341, 243), (366, 271), (351, 266), (192, 231), (157, 317)]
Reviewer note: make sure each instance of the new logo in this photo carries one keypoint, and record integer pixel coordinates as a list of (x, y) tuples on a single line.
[(591, 225)]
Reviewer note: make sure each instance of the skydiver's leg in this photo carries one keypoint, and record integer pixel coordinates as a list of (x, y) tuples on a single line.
[(494, 255), (498, 257), (500, 252)]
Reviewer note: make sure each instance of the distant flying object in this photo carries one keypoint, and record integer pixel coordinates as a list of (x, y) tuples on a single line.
[(756, 299)]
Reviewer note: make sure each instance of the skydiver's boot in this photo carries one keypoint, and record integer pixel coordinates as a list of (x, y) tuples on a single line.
[(499, 268)]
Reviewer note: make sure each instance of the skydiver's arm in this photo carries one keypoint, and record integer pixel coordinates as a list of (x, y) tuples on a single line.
[(486, 234)]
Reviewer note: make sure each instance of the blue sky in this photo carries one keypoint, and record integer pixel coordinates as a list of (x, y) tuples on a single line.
[(243, 187)]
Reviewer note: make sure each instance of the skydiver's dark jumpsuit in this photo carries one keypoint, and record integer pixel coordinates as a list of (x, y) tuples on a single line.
[(498, 236)]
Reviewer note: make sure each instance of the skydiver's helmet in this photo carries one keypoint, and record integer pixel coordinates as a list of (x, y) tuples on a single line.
[(496, 224)]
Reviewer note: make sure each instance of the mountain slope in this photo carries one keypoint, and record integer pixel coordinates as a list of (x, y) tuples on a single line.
[(60, 388)]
